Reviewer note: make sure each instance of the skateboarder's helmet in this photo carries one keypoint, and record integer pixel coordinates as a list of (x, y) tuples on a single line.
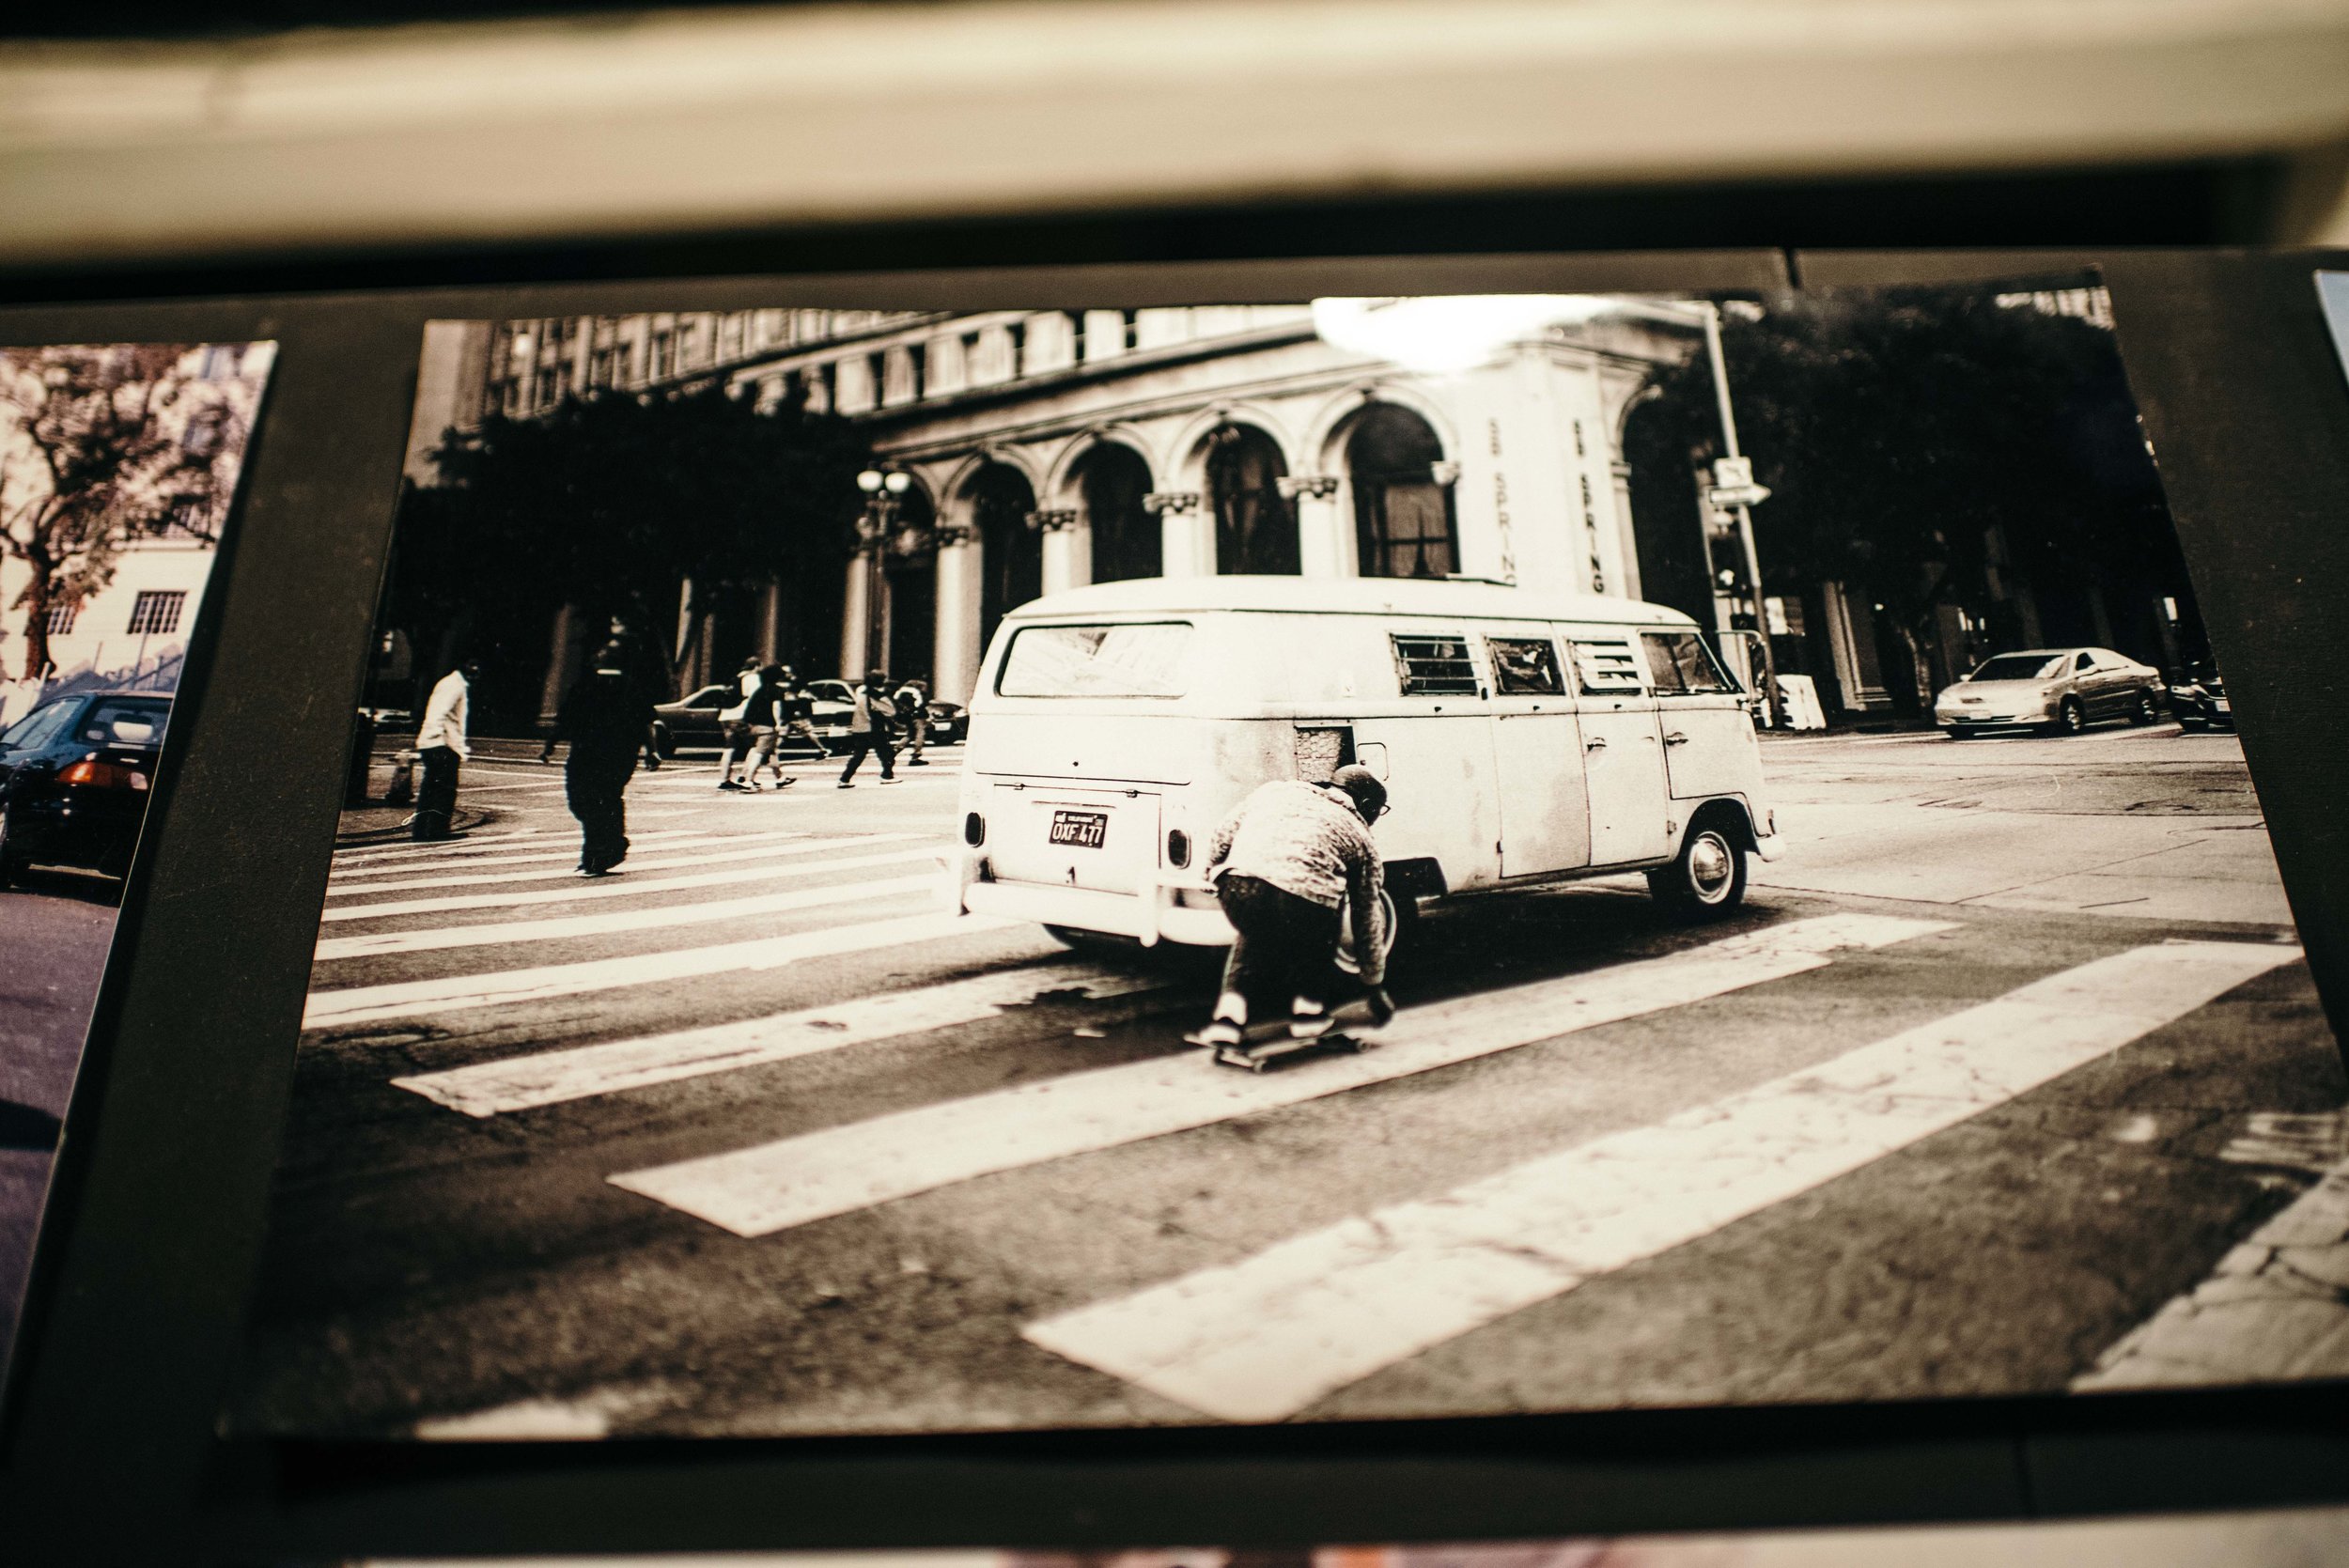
[(1369, 795)]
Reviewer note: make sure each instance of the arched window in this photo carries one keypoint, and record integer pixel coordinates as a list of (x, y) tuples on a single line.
[(1256, 526), (1012, 553), (1127, 541), (1403, 520)]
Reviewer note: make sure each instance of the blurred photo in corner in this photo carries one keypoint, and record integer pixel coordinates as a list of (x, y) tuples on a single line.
[(1354, 859), (2297, 1538), (118, 470)]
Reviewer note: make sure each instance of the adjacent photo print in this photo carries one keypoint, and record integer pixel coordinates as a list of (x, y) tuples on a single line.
[(916, 872), (118, 468)]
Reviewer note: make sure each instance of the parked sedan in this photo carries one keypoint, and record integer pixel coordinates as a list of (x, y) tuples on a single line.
[(74, 780), (2061, 691), (2199, 699), (835, 709), (690, 723)]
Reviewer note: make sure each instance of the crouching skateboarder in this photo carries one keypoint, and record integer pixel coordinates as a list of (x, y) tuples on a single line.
[(1293, 867)]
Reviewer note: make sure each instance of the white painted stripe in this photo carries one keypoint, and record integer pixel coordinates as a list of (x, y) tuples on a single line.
[(1262, 1339), (764, 846), (772, 1186), (500, 933), (622, 887), (474, 842), (357, 1004), (551, 1078), (549, 847)]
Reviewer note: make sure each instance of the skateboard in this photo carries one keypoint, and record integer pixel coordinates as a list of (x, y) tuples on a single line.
[(1263, 1044)]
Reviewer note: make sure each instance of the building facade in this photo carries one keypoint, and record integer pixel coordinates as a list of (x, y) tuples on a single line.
[(1049, 449), (131, 630)]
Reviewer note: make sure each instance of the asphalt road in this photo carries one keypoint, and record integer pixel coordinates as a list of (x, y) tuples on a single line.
[(751, 1139), (54, 930)]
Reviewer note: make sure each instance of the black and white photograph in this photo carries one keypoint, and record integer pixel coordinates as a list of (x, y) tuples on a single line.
[(1362, 858), (118, 467)]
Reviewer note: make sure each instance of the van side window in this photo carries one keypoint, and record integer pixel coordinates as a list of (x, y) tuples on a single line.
[(1608, 668), (1434, 666), (1682, 666), (1524, 667)]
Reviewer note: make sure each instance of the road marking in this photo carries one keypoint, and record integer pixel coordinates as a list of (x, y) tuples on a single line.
[(551, 1078), (1262, 1338), (758, 846), (474, 842), (775, 1186), (553, 846), (498, 933), (357, 1004), (618, 888)]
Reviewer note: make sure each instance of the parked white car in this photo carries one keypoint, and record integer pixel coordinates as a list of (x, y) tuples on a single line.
[(2061, 691), (1523, 736)]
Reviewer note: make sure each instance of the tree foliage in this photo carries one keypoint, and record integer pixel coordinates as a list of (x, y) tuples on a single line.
[(105, 445), (606, 502), (1915, 444)]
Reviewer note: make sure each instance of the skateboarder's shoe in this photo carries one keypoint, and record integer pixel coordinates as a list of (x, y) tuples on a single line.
[(1308, 1019), (1221, 1034)]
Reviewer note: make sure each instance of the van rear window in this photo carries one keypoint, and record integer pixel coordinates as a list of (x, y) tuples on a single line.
[(1434, 666), (1133, 659)]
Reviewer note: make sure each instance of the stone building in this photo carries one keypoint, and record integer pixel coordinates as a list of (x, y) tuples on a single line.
[(1049, 449)]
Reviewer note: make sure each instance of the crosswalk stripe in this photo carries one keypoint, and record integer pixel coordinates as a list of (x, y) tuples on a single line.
[(621, 887), (1262, 1338), (498, 933), (772, 1186), (472, 844), (551, 1078), (749, 847), (552, 847), (349, 1005)]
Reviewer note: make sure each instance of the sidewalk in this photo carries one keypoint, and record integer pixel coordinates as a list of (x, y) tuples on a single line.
[(381, 824), (2277, 1308)]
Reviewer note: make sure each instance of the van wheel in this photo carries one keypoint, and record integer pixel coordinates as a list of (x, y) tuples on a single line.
[(1706, 880)]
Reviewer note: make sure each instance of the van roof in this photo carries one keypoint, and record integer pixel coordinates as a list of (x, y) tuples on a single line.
[(1348, 595)]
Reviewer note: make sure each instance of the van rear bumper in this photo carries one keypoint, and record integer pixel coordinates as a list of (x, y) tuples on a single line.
[(1149, 917)]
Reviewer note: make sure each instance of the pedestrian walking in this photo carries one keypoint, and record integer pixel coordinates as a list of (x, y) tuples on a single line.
[(603, 717), (765, 718), (913, 719), (1290, 867), (869, 730), (798, 713), (440, 748), (734, 730)]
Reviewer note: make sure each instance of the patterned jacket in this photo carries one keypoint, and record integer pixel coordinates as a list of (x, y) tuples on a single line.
[(1309, 840)]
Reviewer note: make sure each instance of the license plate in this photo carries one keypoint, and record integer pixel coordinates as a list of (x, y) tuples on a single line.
[(1083, 829)]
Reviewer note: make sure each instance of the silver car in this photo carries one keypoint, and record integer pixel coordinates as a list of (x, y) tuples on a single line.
[(2061, 691)]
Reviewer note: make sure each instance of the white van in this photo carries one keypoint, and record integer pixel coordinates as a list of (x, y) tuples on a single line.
[(1524, 738)]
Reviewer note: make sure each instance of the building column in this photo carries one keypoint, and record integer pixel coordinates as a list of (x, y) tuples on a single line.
[(855, 619), (563, 660), (1187, 533), (1068, 549), (1851, 639), (955, 659), (1323, 548), (770, 623)]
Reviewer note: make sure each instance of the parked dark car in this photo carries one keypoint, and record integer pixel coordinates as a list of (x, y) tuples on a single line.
[(690, 723), (75, 775), (2198, 699)]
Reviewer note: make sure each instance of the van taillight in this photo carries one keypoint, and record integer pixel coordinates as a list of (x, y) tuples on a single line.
[(1177, 847), (974, 830)]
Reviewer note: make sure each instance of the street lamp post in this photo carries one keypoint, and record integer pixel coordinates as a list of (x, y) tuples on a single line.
[(1735, 490), (884, 490)]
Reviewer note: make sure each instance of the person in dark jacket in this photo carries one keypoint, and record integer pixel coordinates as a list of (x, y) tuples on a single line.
[(1294, 868), (603, 717), (870, 729)]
